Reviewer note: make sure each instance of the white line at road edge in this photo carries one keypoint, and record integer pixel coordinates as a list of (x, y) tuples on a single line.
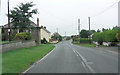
[(85, 62), (38, 61)]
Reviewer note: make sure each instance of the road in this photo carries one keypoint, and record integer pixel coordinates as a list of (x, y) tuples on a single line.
[(69, 58)]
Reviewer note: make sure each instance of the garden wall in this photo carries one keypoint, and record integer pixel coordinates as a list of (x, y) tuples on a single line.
[(16, 45)]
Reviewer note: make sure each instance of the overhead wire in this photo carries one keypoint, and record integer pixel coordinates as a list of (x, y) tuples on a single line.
[(105, 10)]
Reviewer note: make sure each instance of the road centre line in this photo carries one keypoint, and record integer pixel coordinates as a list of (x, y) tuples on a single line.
[(85, 62)]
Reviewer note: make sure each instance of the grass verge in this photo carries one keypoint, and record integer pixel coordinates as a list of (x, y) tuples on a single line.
[(19, 60), (85, 45), (4, 41)]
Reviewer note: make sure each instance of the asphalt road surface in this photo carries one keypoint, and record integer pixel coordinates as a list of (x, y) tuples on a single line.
[(69, 58)]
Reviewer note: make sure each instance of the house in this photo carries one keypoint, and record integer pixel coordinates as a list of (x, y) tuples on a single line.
[(14, 31), (44, 33), (0, 33)]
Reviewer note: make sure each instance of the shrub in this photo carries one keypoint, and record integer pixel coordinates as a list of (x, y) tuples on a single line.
[(85, 40), (99, 37), (118, 36), (44, 41), (23, 36), (106, 36)]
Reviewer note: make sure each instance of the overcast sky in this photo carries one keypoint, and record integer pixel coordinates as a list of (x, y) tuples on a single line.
[(63, 14)]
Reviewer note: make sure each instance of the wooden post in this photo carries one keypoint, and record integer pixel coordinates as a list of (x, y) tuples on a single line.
[(38, 33)]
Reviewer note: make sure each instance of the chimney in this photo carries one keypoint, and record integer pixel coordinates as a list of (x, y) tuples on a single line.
[(37, 22), (44, 27), (41, 27)]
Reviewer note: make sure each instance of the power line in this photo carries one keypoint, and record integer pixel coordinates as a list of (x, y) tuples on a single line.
[(104, 10)]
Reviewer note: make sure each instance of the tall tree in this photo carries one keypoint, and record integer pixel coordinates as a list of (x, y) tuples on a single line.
[(20, 16)]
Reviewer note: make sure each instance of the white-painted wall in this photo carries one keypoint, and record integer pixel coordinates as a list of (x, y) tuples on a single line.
[(45, 35), (0, 34)]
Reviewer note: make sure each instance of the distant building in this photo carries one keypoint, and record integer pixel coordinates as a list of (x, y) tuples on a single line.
[(45, 34)]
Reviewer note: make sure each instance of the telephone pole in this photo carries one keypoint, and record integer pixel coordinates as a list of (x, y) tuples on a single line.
[(89, 28), (79, 27), (65, 34), (57, 30), (89, 22), (9, 29)]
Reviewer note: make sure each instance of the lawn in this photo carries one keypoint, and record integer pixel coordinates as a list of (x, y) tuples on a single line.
[(19, 60), (85, 45), (4, 41)]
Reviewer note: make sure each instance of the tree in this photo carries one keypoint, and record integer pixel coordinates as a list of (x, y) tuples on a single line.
[(118, 36), (98, 30), (104, 30), (57, 36), (98, 37), (84, 34), (20, 16), (110, 36), (116, 28)]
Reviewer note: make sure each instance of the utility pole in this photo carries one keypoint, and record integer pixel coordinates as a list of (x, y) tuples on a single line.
[(89, 28), (38, 33), (65, 34), (79, 27), (89, 22), (57, 30), (9, 29)]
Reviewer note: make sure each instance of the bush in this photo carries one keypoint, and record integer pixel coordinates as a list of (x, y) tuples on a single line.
[(85, 40), (99, 37), (118, 36), (81, 40), (23, 36), (44, 41), (106, 36)]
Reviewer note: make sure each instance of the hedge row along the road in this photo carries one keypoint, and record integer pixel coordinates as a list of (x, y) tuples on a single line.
[(106, 36), (82, 40)]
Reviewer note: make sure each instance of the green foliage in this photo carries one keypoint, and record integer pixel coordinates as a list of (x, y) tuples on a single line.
[(57, 36), (17, 61), (106, 36), (76, 39), (23, 36), (98, 30), (118, 36), (68, 38), (116, 28), (81, 40), (110, 36), (86, 33), (104, 30), (20, 16), (98, 36), (85, 40), (44, 41)]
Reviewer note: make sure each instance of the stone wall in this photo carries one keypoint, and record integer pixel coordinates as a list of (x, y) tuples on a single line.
[(16, 45)]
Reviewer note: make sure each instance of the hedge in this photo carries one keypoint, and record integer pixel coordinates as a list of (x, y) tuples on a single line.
[(23, 36)]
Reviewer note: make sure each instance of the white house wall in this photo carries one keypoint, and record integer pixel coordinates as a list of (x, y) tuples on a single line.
[(45, 35)]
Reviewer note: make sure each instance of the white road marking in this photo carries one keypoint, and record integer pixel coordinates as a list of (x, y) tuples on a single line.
[(85, 62), (38, 61)]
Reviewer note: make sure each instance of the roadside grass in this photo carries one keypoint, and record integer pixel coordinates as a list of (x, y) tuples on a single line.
[(4, 41), (85, 45), (19, 60)]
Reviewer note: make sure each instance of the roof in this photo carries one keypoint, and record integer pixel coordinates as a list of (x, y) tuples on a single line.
[(32, 23), (45, 30)]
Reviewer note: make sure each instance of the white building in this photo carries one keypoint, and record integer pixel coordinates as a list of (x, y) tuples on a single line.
[(44, 33)]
